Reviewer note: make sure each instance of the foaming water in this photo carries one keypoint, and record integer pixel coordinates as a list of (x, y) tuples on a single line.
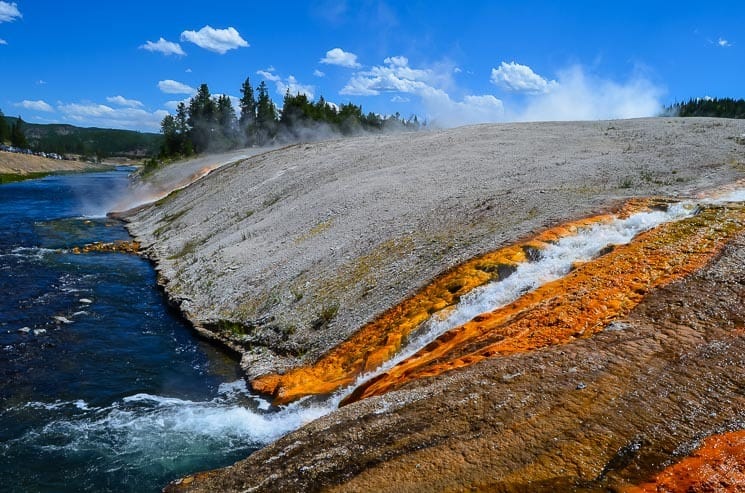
[(144, 432), (102, 388), (555, 261)]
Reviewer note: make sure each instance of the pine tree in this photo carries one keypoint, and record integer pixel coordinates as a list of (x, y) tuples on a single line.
[(17, 137), (4, 129), (247, 105), (227, 122), (171, 140), (201, 118), (266, 115)]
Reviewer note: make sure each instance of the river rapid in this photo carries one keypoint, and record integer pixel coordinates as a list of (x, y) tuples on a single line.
[(102, 387)]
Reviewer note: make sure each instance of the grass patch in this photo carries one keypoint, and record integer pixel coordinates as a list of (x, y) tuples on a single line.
[(234, 328), (188, 248), (12, 177), (326, 315)]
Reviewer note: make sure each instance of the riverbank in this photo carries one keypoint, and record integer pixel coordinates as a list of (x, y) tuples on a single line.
[(17, 167), (285, 255)]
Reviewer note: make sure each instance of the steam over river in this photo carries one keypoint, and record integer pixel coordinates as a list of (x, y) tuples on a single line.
[(102, 387)]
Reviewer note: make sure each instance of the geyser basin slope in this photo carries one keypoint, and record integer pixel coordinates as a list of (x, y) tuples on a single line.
[(599, 414), (578, 305), (287, 254), (479, 285)]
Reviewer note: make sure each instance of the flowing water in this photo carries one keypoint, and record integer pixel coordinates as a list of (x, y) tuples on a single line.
[(102, 387)]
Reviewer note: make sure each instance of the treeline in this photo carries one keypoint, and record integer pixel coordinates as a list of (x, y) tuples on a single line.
[(90, 143), (211, 123), (12, 133), (713, 107)]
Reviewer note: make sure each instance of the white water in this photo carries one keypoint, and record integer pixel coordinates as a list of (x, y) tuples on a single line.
[(555, 261), (157, 427)]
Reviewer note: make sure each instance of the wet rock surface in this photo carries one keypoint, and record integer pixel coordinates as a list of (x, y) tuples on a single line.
[(607, 412)]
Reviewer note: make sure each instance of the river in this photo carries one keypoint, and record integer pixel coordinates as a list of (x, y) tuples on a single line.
[(103, 388)]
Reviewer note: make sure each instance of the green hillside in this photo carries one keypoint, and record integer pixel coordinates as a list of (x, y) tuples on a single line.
[(101, 142)]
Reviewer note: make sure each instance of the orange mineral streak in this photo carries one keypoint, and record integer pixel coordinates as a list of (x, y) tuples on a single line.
[(578, 305), (380, 339), (718, 465), (116, 246)]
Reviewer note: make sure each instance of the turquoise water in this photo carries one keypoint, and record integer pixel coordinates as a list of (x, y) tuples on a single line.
[(102, 386)]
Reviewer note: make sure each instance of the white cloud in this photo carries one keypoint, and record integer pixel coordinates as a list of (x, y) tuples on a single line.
[(723, 43), (395, 76), (290, 83), (9, 12), (169, 86), (577, 96), (318, 73), (165, 47), (342, 58), (41, 82), (269, 74), (122, 101), (3, 42), (39, 105), (573, 96), (399, 99), (398, 77), (514, 77), (101, 115), (444, 112), (188, 70), (217, 40)]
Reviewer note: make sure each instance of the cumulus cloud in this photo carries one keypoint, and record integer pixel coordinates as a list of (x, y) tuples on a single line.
[(164, 47), (394, 76), (3, 42), (101, 115), (342, 58), (574, 95), (218, 40), (169, 86), (9, 12), (39, 105), (122, 101), (284, 84), (399, 99), (514, 77), (397, 76), (579, 96), (723, 43), (318, 73)]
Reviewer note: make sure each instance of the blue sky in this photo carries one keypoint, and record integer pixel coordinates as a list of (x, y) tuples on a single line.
[(104, 64)]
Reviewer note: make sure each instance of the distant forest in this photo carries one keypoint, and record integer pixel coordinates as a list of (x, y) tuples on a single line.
[(69, 139), (210, 123), (715, 107)]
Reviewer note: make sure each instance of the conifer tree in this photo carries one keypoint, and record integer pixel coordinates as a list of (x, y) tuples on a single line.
[(201, 118), (17, 137), (4, 129), (227, 123), (247, 105), (266, 115)]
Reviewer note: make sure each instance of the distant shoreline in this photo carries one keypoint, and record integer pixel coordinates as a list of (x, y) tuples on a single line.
[(18, 167)]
